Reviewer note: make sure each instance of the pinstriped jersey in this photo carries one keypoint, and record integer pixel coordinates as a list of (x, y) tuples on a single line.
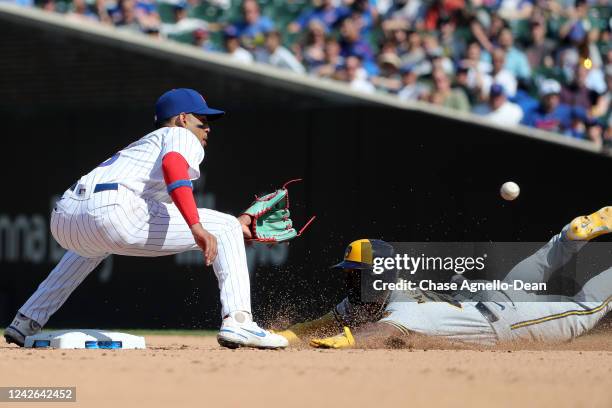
[(138, 166)]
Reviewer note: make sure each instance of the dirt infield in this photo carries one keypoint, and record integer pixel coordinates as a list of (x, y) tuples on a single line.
[(189, 371)]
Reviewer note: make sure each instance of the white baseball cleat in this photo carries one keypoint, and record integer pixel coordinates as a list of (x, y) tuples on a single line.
[(238, 330), (21, 327)]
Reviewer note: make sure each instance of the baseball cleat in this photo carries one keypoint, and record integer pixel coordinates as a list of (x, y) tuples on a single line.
[(587, 227), (21, 327), (238, 330)]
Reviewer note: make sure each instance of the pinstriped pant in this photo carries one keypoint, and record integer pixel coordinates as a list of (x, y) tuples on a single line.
[(121, 223)]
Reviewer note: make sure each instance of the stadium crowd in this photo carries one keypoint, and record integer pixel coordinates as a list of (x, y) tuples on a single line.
[(546, 64)]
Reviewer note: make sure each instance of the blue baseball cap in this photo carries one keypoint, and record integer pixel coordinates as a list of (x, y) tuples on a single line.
[(183, 100), (496, 90), (230, 32)]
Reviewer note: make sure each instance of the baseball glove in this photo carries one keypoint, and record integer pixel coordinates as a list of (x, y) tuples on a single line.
[(270, 217)]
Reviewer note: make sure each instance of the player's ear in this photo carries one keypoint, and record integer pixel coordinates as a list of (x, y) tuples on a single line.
[(180, 120)]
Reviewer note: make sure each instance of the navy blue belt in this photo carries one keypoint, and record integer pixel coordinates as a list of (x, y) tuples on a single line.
[(100, 187)]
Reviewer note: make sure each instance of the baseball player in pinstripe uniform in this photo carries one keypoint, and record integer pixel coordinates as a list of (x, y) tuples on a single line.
[(140, 202), (481, 317)]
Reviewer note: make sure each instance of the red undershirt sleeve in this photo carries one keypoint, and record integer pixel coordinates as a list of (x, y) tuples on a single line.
[(176, 176)]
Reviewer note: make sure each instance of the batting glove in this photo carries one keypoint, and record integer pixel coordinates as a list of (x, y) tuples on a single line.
[(344, 340)]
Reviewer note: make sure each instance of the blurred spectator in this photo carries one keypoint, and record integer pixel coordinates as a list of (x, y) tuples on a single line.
[(516, 60), (577, 25), (182, 22), (550, 115), (567, 59), (362, 15), (411, 89), (124, 15), (442, 93), (435, 57), (452, 44), (578, 120), (483, 28), (414, 52), (595, 132), (253, 26), (515, 9), (403, 14), (592, 48), (500, 110), (102, 10), (147, 15), (462, 82), (440, 9), (576, 93), (49, 5), (476, 67), (201, 39), (575, 35), (499, 75), (493, 25), (273, 53), (233, 48), (388, 78), (356, 76), (81, 11), (351, 44), (399, 40), (524, 98), (313, 54), (603, 105), (333, 60), (323, 11), (540, 49), (382, 6), (595, 79), (467, 48)]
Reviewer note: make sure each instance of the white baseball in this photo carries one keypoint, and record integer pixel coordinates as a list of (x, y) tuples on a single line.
[(510, 190)]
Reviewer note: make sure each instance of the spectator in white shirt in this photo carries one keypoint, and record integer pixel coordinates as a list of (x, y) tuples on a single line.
[(182, 22), (500, 110), (411, 89), (233, 48), (476, 67), (275, 54), (499, 75), (354, 73)]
